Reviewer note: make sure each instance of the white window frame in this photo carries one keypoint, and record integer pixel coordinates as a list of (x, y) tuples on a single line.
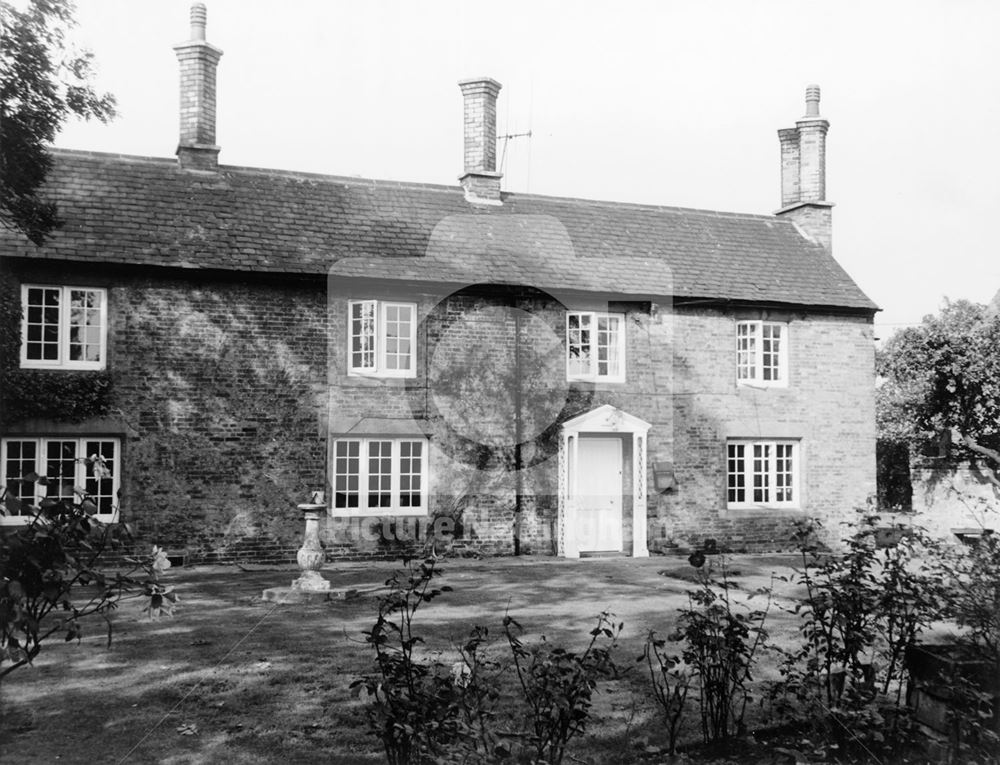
[(755, 364), (381, 310), (395, 508), (79, 479), (65, 312), (593, 375), (770, 478)]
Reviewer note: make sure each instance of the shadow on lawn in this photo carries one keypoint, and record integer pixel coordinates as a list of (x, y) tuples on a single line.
[(233, 679)]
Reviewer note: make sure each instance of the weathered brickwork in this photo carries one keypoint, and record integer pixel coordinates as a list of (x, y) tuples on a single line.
[(224, 389), (828, 405), (218, 387), (481, 355)]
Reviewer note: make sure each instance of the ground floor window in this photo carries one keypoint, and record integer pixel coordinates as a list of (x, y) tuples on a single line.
[(762, 474), (84, 468), (380, 475)]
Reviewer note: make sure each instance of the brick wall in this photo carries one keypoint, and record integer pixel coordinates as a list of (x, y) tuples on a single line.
[(828, 404), (223, 387), (218, 388)]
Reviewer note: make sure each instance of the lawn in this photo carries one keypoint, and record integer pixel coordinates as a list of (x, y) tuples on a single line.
[(232, 678)]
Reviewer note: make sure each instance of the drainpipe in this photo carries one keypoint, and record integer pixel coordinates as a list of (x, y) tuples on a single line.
[(518, 463)]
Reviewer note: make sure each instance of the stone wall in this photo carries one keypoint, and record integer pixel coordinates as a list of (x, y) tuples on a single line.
[(950, 498)]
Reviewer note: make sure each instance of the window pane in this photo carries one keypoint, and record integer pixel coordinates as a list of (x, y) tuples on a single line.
[(345, 478), (60, 468), (761, 472), (736, 473), (363, 335), (410, 469), (85, 325), (770, 351), (398, 329), (609, 345), (42, 324), (578, 345), (379, 474), (745, 351), (21, 460), (783, 473), (99, 470)]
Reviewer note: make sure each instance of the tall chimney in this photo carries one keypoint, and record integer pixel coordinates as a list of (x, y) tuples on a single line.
[(481, 180), (198, 60), (803, 173)]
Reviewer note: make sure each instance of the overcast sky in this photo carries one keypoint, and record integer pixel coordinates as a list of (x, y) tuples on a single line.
[(667, 103)]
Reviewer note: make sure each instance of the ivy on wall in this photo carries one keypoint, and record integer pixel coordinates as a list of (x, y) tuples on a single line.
[(41, 393)]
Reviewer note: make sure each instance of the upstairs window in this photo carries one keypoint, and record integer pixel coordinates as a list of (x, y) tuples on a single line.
[(72, 468), (595, 346), (762, 474), (63, 327), (382, 338), (762, 353), (380, 476)]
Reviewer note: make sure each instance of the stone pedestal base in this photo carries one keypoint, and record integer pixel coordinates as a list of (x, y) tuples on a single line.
[(296, 595), (312, 581)]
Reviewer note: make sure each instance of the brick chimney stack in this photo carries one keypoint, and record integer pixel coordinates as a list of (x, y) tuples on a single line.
[(198, 61), (481, 180), (803, 173)]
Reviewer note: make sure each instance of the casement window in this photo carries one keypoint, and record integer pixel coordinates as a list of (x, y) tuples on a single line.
[(71, 467), (380, 476), (64, 327), (762, 474), (382, 338), (595, 346), (762, 353)]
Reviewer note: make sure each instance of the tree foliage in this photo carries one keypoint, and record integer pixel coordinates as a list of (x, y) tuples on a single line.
[(43, 81), (941, 382), (56, 571)]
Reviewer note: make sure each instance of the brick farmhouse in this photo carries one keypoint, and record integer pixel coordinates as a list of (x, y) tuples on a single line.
[(458, 365)]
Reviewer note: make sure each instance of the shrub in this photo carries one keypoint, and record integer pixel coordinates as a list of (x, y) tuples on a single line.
[(669, 683), (426, 710), (974, 604), (721, 645), (862, 612), (412, 706), (53, 574), (557, 685)]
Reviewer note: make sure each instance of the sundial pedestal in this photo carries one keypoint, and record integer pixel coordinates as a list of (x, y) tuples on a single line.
[(311, 586)]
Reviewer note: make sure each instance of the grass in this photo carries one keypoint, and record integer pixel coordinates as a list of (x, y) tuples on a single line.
[(234, 679)]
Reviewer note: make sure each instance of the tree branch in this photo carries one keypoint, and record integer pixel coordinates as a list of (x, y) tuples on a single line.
[(972, 445)]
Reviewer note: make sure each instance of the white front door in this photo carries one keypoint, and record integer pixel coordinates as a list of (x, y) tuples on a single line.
[(599, 492)]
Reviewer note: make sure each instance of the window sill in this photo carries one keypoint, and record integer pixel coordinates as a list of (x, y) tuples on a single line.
[(372, 381), (65, 367), (406, 512), (755, 385), (596, 380), (753, 511), (380, 375), (16, 521)]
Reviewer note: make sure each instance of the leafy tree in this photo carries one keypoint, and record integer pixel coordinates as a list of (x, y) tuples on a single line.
[(43, 81), (941, 383)]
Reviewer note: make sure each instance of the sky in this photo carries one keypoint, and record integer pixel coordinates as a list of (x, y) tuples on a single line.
[(667, 103)]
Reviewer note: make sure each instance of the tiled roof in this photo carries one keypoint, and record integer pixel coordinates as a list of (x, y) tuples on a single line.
[(148, 211)]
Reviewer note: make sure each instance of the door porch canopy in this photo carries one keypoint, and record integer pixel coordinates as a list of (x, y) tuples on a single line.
[(603, 420)]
